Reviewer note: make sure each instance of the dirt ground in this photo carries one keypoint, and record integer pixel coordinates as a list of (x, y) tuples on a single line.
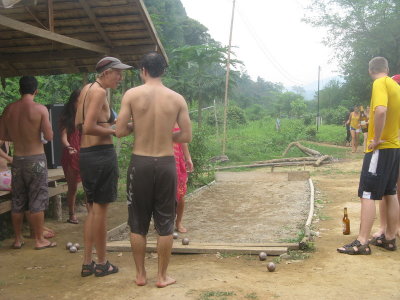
[(249, 207), (54, 273)]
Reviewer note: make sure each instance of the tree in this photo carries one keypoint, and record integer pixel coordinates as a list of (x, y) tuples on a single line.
[(359, 30)]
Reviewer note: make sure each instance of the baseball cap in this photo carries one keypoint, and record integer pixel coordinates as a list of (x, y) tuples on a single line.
[(110, 63), (396, 78)]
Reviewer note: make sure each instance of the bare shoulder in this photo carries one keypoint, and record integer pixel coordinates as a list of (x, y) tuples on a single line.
[(175, 95), (134, 93), (40, 107)]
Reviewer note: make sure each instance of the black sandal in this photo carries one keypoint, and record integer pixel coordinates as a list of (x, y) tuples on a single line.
[(382, 242), (88, 270), (361, 249), (104, 270)]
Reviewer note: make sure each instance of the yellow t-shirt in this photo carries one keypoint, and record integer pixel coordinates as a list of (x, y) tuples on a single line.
[(355, 120), (386, 92)]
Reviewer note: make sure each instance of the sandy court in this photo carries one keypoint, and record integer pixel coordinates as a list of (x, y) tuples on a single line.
[(242, 207)]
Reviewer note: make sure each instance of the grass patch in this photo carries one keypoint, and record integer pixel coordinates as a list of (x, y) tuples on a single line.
[(251, 296), (214, 295)]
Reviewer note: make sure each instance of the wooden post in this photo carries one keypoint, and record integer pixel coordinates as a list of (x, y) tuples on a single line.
[(57, 204), (227, 78)]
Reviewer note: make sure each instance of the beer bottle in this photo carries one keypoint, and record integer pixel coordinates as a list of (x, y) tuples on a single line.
[(363, 120), (346, 223)]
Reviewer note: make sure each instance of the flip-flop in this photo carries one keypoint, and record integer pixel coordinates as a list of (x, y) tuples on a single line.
[(51, 245), (13, 246), (72, 221)]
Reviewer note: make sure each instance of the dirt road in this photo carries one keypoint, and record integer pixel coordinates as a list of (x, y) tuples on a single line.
[(54, 273)]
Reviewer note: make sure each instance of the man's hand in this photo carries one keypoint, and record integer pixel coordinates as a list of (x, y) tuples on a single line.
[(373, 144)]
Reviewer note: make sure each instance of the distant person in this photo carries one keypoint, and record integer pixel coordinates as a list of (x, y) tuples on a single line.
[(354, 121), (377, 236), (380, 168), (151, 182), (184, 165), (347, 125), (278, 124), (5, 172), (24, 122), (98, 162), (71, 140)]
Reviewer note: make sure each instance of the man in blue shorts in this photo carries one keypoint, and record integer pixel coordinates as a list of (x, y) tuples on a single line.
[(381, 162), (151, 182)]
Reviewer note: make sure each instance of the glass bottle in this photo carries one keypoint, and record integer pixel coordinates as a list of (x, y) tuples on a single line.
[(346, 223)]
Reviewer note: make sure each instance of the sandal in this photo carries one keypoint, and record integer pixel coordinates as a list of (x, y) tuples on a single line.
[(360, 249), (88, 270), (382, 242), (377, 240), (104, 270)]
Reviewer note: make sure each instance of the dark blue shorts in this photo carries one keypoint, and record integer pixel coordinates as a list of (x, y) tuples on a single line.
[(379, 174), (151, 191), (99, 172)]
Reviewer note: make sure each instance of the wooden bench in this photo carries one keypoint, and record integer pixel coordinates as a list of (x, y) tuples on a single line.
[(57, 186)]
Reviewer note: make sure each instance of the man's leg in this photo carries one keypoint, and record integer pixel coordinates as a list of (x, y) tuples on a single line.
[(392, 216), (368, 212), (37, 222), (99, 227), (164, 246), (138, 244), (398, 199), (88, 236), (382, 218), (17, 219)]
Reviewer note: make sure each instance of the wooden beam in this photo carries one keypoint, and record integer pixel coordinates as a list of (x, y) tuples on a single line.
[(150, 26), (201, 248), (96, 23), (20, 26), (50, 10)]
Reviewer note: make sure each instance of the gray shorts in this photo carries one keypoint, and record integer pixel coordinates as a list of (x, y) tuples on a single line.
[(99, 172), (29, 184)]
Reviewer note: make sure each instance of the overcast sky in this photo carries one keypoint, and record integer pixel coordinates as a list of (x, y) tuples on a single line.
[(270, 37)]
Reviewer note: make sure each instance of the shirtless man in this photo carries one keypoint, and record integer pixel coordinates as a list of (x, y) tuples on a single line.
[(23, 122), (151, 183), (98, 162)]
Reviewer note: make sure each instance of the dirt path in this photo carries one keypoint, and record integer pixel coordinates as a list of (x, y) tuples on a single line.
[(54, 273)]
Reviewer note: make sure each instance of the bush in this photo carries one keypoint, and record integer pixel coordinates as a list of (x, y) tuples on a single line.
[(308, 120), (311, 133), (334, 116), (235, 116)]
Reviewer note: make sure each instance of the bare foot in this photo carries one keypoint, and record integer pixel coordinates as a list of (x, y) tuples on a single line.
[(141, 280), (43, 244), (181, 229), (163, 283), (377, 234)]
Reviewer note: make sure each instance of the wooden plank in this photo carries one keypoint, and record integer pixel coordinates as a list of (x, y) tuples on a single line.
[(5, 206), (196, 248), (3, 193), (20, 26), (96, 23)]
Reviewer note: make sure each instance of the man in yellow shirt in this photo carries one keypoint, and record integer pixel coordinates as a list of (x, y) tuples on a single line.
[(381, 162)]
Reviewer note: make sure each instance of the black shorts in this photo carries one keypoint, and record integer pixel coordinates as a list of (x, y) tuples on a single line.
[(379, 174), (29, 187), (99, 172), (151, 191)]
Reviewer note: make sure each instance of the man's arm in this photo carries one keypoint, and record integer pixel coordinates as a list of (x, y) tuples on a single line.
[(95, 105), (379, 124), (188, 158), (185, 126), (124, 127), (4, 155), (45, 125)]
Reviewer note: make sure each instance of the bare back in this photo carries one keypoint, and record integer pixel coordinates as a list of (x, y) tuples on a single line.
[(155, 111), (92, 114), (24, 121)]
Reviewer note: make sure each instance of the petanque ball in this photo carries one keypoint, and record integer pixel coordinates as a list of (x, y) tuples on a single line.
[(73, 249), (185, 241), (175, 235), (77, 246), (262, 256), (271, 267), (69, 245)]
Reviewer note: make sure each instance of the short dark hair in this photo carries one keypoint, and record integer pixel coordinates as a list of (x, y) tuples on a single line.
[(153, 63), (28, 85)]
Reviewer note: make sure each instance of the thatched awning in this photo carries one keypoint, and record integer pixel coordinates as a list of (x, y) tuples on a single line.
[(43, 37)]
